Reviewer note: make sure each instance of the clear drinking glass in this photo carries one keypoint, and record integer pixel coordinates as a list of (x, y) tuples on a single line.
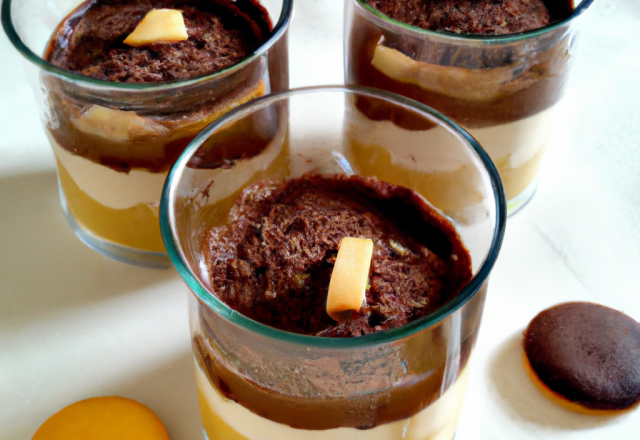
[(260, 383), (115, 142), (501, 88)]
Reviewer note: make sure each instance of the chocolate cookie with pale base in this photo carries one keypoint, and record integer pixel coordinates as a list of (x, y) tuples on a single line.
[(585, 357)]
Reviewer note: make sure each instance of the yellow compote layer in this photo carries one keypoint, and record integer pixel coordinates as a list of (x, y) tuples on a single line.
[(137, 226)]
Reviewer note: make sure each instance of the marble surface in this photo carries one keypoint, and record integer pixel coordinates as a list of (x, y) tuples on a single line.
[(74, 324)]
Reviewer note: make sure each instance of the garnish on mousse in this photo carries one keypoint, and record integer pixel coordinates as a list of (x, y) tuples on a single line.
[(158, 26), (349, 278)]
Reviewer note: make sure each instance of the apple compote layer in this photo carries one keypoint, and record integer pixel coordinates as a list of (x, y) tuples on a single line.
[(501, 93), (115, 147)]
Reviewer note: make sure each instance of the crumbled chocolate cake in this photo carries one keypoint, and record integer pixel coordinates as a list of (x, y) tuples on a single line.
[(488, 17), (90, 41), (273, 262)]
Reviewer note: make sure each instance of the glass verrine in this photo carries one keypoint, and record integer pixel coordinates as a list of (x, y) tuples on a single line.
[(257, 382), (501, 88), (114, 143)]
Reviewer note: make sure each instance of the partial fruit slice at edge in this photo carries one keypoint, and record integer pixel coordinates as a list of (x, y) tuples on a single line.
[(103, 418), (158, 26)]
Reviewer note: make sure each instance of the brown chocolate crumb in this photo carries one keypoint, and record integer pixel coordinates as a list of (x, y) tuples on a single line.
[(90, 41), (487, 17), (273, 262)]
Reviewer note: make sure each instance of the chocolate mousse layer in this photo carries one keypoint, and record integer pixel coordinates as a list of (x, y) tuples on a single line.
[(514, 80), (492, 17), (587, 353), (90, 41), (154, 127), (273, 262), (365, 410)]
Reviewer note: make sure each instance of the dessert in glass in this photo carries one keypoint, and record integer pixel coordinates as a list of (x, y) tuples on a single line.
[(258, 239), (496, 67), (124, 85)]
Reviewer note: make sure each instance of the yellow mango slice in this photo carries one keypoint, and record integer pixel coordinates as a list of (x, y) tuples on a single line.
[(103, 418), (158, 26), (457, 82), (349, 278), (117, 125)]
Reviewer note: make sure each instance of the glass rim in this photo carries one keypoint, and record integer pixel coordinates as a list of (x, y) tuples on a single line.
[(471, 37), (7, 23), (167, 219)]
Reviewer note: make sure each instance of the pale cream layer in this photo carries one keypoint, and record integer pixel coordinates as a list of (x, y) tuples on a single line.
[(428, 151), (516, 142), (436, 422), (432, 162), (437, 149), (108, 187), (124, 190)]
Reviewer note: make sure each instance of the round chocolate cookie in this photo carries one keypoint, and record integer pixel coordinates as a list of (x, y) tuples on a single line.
[(587, 353)]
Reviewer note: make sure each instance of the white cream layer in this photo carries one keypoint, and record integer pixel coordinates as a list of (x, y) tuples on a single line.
[(513, 143), (428, 151), (124, 190), (436, 422), (108, 187)]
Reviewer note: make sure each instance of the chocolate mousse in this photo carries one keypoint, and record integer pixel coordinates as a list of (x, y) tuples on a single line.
[(586, 354), (273, 263), (492, 17), (91, 41), (508, 96), (115, 146)]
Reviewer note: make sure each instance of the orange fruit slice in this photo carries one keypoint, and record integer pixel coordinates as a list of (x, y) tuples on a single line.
[(103, 418)]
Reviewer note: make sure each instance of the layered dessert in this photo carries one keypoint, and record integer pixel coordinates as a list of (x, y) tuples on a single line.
[(275, 261), (501, 89), (114, 146), (424, 156)]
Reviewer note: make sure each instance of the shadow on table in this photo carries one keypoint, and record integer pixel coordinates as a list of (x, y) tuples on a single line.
[(43, 266), (170, 391), (519, 397)]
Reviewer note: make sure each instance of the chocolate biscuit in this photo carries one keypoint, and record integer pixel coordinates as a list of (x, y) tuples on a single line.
[(587, 353)]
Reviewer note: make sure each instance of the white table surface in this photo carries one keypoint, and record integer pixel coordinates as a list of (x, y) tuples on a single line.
[(74, 324)]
